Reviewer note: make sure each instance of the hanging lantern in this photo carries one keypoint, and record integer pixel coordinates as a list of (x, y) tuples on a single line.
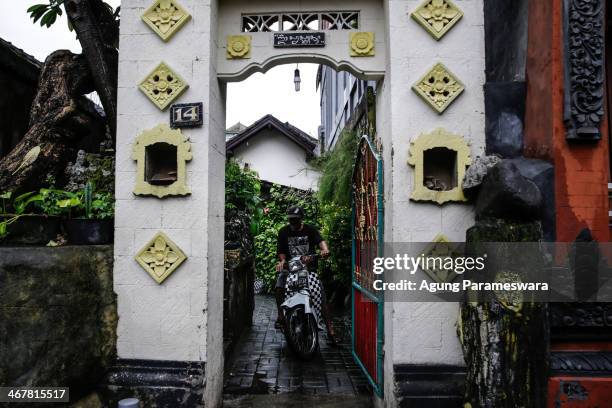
[(297, 80)]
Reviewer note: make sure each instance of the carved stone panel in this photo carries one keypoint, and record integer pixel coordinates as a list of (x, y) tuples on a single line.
[(165, 18), (160, 257), (362, 44), (437, 17), (584, 69), (440, 159), (438, 88), (161, 154), (442, 248), (162, 86)]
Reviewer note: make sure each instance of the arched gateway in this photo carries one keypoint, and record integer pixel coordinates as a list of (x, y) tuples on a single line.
[(170, 298)]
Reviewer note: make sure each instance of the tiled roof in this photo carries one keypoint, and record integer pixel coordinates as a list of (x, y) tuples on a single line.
[(300, 137), (18, 61)]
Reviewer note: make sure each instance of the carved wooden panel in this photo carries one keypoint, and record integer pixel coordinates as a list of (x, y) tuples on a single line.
[(584, 69)]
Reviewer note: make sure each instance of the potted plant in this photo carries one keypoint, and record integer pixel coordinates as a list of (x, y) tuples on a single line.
[(89, 216), (28, 219)]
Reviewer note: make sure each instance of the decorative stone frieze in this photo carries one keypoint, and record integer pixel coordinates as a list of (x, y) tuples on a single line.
[(238, 47), (362, 44), (165, 18), (440, 247), (162, 86), (439, 88), (439, 159), (437, 17), (160, 257), (584, 69), (161, 154), (300, 21)]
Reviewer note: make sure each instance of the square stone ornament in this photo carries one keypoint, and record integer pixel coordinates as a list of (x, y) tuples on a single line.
[(439, 88), (440, 247), (362, 44), (160, 257), (166, 18), (437, 17), (162, 86), (238, 47)]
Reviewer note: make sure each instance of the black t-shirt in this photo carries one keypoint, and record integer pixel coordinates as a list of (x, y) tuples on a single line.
[(295, 243)]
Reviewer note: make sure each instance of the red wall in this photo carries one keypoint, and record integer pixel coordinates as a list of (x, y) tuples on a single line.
[(581, 176), (581, 171)]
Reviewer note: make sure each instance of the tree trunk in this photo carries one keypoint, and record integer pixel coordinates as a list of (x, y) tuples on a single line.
[(57, 121), (505, 347), (96, 37)]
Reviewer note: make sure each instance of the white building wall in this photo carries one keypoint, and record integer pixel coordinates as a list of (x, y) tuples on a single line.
[(425, 333), (278, 160)]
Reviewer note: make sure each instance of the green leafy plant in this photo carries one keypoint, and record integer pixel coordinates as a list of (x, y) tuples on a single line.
[(48, 13), (336, 228), (337, 169), (85, 203), (102, 206), (5, 197), (274, 218), (15, 208), (48, 203), (242, 193), (70, 202), (23, 201)]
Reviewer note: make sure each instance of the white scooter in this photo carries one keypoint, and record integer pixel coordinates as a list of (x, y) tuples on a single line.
[(302, 308)]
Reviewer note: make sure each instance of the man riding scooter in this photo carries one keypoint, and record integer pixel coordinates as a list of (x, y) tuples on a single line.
[(299, 239)]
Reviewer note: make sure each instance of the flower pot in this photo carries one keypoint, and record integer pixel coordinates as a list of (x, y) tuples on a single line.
[(32, 230), (83, 231)]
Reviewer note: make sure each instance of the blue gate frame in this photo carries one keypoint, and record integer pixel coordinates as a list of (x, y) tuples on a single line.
[(367, 241)]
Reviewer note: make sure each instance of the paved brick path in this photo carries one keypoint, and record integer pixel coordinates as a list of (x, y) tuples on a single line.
[(263, 364)]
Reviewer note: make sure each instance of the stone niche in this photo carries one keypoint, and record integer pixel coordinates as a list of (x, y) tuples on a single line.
[(440, 159), (161, 154)]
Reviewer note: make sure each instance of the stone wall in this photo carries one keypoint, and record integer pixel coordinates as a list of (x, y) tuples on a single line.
[(238, 299), (58, 316)]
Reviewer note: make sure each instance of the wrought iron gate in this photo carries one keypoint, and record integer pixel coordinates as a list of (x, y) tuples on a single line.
[(367, 223)]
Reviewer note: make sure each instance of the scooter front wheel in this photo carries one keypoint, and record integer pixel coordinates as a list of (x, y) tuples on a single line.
[(301, 332)]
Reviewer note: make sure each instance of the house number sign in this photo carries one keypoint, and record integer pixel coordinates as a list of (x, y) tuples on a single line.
[(186, 115), (295, 40)]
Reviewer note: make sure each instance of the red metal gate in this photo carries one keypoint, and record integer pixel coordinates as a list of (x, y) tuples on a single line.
[(367, 307)]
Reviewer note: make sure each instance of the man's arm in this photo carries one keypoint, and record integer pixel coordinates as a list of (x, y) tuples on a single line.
[(281, 262), (282, 248), (324, 249)]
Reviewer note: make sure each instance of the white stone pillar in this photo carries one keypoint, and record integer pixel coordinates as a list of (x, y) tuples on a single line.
[(425, 333), (171, 321)]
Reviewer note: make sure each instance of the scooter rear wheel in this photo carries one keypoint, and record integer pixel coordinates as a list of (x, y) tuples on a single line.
[(301, 332)]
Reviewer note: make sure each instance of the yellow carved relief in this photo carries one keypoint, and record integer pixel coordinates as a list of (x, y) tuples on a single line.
[(428, 184), (238, 46), (437, 16), (165, 18), (362, 44), (162, 86), (161, 154), (439, 88), (442, 249), (160, 257)]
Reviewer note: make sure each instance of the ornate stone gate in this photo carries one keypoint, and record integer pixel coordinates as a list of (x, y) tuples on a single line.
[(168, 271)]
